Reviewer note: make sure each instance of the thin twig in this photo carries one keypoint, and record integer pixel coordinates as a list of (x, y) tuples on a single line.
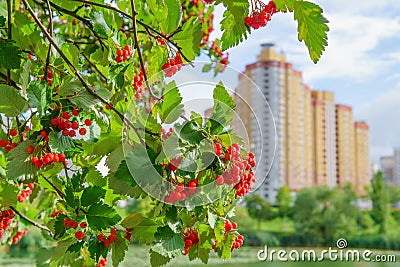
[(46, 70), (59, 192), (85, 21), (9, 35), (93, 66), (12, 83), (135, 35), (36, 224)]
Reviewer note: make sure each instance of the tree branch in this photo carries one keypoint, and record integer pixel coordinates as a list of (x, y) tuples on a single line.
[(12, 83), (135, 35), (36, 224), (46, 70), (59, 192), (93, 65), (76, 73), (9, 35)]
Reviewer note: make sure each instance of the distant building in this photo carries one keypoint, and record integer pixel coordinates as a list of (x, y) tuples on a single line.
[(318, 143), (396, 167), (387, 164)]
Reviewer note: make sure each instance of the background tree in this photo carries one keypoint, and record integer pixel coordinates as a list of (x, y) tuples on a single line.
[(259, 209), (284, 201), (380, 198)]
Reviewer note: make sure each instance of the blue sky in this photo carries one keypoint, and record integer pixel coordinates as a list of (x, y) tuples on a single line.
[(361, 64)]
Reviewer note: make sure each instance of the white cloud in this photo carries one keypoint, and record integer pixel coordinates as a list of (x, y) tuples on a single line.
[(383, 118)]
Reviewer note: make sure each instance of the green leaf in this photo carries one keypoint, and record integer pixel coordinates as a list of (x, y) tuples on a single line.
[(10, 55), (91, 195), (72, 53), (25, 78), (312, 27), (92, 134), (157, 259), (101, 216), (2, 21), (173, 17), (233, 27), (8, 194), (223, 110), (70, 86), (37, 96), (59, 228), (120, 77), (143, 228), (189, 38), (11, 102), (94, 177), (118, 248), (99, 24), (171, 107), (86, 101), (19, 165), (169, 244), (284, 5), (59, 143)]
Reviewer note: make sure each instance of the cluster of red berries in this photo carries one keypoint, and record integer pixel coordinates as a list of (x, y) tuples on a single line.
[(6, 218), (128, 234), (229, 226), (166, 134), (216, 49), (56, 213), (260, 18), (123, 54), (68, 127), (102, 263), (107, 240), (180, 193), (240, 174), (9, 144), (18, 236), (50, 77), (138, 81), (191, 238), (49, 158), (173, 65), (26, 193)]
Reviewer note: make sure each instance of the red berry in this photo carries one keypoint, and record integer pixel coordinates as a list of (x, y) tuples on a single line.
[(106, 243), (127, 48), (100, 237), (113, 231), (21, 199), (74, 125), (188, 243), (72, 133), (30, 149), (65, 132), (120, 52), (125, 57), (74, 225), (13, 132), (118, 59), (3, 143), (79, 235), (30, 57), (219, 180), (88, 122), (228, 226), (75, 112), (111, 238), (31, 186), (83, 225), (66, 115), (82, 131), (61, 157), (27, 129), (43, 133), (234, 225)]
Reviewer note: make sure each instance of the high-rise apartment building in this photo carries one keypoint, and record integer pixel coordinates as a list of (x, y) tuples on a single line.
[(316, 141), (363, 170)]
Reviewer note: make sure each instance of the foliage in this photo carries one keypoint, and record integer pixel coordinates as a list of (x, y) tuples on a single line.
[(284, 201), (326, 213), (72, 82), (259, 208), (380, 202)]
